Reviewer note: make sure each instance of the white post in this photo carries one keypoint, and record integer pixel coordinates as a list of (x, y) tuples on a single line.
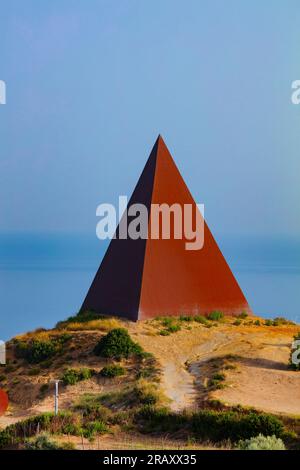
[(56, 398)]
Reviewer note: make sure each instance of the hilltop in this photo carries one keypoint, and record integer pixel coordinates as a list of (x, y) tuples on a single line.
[(182, 365)]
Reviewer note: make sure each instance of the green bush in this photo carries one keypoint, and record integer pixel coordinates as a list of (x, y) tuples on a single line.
[(48, 422), (112, 371), (261, 442), (91, 408), (93, 428), (81, 317), (117, 344), (200, 319), (174, 328), (216, 315), (171, 328), (72, 376), (187, 318), (243, 315), (167, 321), (164, 332), (270, 322), (219, 376), (218, 425), (41, 442), (211, 425), (283, 321), (237, 323), (39, 350), (257, 322)]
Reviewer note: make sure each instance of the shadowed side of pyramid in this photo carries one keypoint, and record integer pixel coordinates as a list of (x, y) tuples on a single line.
[(116, 287)]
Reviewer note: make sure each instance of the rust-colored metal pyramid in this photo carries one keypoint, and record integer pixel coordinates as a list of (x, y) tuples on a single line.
[(141, 278)]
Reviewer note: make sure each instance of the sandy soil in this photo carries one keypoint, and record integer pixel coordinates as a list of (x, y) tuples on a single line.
[(261, 378)]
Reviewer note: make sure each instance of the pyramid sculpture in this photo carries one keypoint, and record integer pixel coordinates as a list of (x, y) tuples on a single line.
[(145, 278)]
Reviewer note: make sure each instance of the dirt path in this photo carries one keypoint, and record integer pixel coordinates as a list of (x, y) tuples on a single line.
[(175, 353), (261, 378)]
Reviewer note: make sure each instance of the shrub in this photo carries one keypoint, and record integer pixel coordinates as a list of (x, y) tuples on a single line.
[(257, 322), (146, 393), (81, 317), (72, 376), (200, 319), (243, 315), (37, 350), (283, 321), (164, 333), (218, 425), (210, 424), (216, 315), (64, 422), (172, 328), (219, 376), (41, 442), (261, 442), (94, 427), (167, 321), (117, 344), (187, 318), (237, 323), (112, 371), (269, 322), (90, 407)]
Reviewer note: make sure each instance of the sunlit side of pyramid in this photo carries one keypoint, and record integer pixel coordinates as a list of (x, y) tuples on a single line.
[(141, 279)]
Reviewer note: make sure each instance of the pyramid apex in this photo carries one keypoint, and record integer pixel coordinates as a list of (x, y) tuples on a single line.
[(160, 142)]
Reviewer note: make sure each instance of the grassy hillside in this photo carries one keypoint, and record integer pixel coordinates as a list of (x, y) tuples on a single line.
[(187, 382)]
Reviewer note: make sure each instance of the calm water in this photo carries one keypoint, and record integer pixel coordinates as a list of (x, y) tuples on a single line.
[(44, 279)]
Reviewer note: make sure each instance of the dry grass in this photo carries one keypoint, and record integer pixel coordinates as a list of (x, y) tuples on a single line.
[(152, 391), (101, 324), (134, 441)]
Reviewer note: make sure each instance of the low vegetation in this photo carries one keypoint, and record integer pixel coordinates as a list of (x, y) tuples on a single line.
[(39, 349), (217, 381), (111, 371), (261, 442), (211, 425), (216, 315), (72, 376), (88, 320), (64, 423), (278, 321), (45, 442), (117, 344), (243, 315)]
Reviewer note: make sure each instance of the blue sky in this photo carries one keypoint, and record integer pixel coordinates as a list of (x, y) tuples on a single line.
[(90, 84)]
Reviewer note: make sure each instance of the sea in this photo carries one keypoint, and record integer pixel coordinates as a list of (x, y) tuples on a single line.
[(45, 277)]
